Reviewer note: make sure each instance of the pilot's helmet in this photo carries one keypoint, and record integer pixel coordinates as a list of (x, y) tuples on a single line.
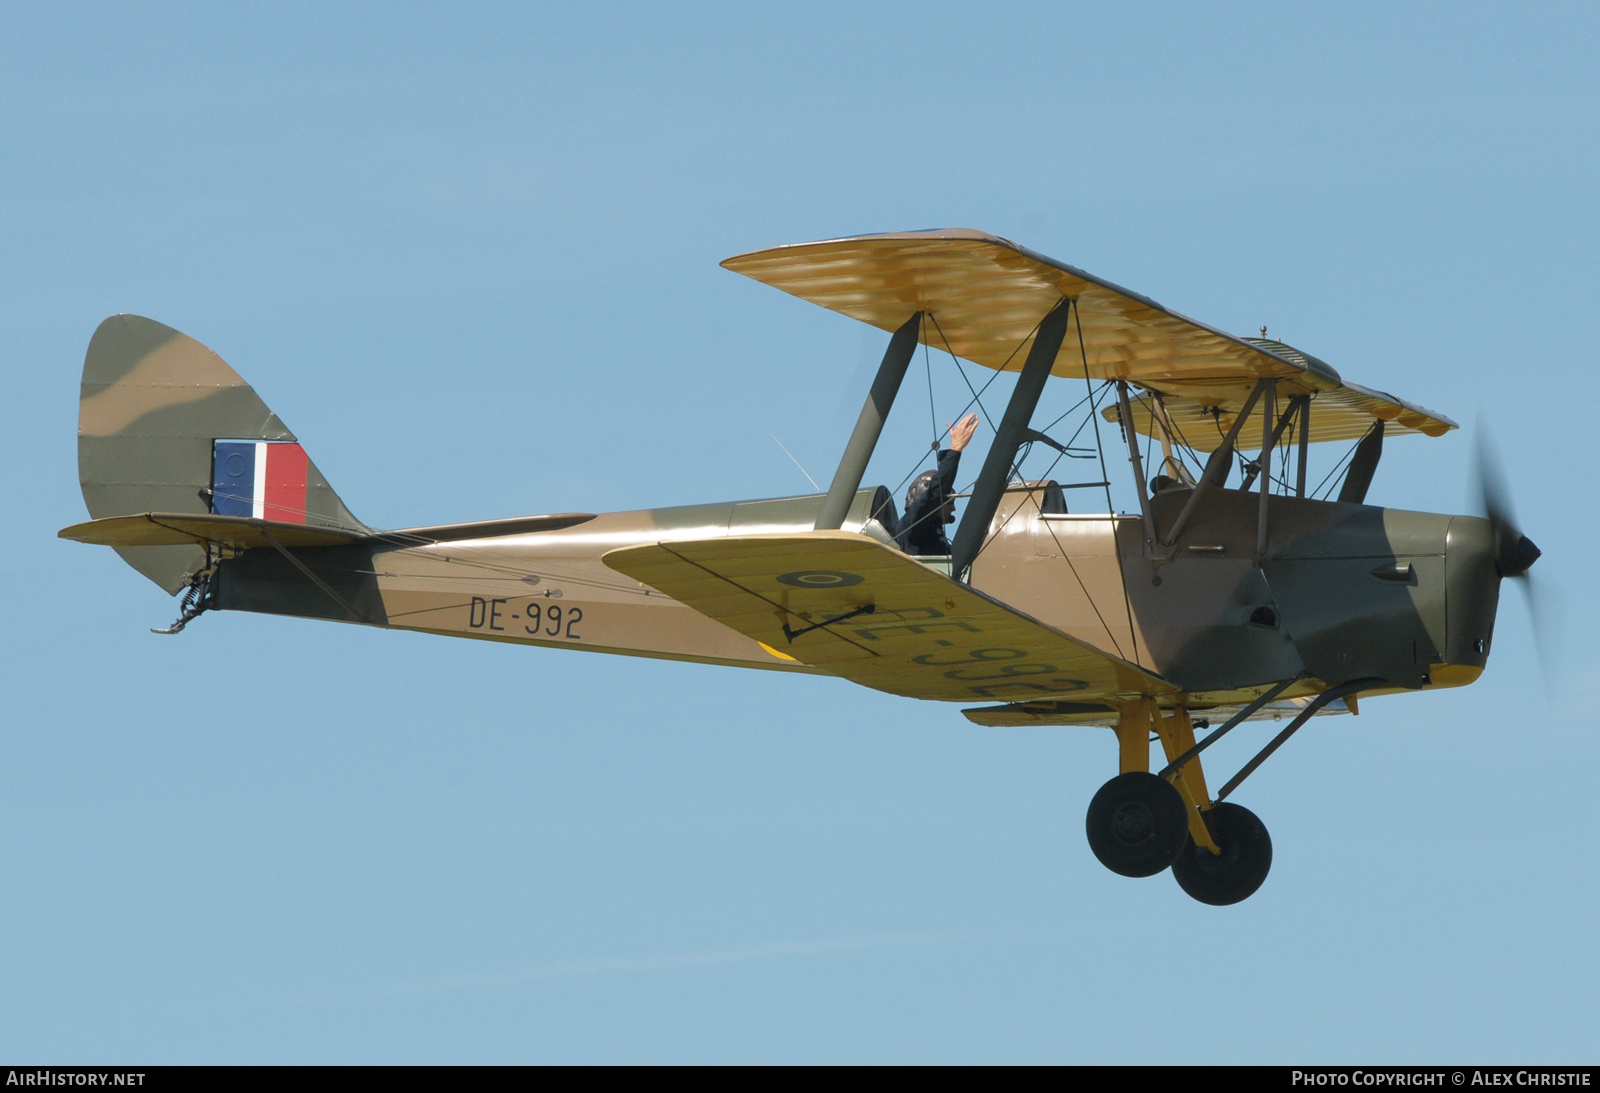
[(920, 485)]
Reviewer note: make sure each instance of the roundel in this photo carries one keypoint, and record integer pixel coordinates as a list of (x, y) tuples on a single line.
[(818, 578)]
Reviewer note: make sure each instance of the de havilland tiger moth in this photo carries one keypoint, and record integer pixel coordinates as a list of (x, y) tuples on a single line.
[(1211, 605)]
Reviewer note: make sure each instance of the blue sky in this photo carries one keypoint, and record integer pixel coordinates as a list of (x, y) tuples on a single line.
[(471, 258)]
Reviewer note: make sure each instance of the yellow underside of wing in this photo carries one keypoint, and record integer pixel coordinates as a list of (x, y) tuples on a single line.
[(1345, 413), (985, 295), (925, 636)]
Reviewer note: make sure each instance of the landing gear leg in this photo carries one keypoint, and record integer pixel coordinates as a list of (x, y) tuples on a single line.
[(1177, 736), (1137, 824)]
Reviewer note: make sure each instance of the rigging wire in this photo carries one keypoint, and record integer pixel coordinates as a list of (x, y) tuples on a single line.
[(1287, 448), (975, 397), (1094, 408), (1187, 452), (1015, 464), (1100, 447), (1337, 467), (1069, 410), (1083, 353), (1115, 644), (306, 513), (1093, 399), (978, 395)]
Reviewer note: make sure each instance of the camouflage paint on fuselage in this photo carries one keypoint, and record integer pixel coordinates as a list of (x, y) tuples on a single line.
[(1343, 592), (542, 588)]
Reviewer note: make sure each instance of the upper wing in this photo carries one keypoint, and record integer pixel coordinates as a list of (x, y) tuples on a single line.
[(852, 607), (986, 295)]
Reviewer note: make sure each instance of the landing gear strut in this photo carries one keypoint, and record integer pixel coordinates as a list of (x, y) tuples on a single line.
[(1140, 823)]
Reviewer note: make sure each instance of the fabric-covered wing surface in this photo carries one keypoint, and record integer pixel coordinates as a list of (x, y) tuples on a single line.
[(925, 637), (987, 294), (1345, 413)]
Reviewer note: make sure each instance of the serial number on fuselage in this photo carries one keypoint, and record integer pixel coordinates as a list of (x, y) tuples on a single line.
[(536, 618)]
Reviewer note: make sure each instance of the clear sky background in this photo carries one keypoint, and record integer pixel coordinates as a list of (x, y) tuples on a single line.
[(470, 257)]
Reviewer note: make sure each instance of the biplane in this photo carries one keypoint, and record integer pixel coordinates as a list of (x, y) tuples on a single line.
[(1231, 594)]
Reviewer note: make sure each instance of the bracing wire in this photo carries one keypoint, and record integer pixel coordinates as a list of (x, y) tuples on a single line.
[(1069, 410), (1337, 467), (1187, 453), (976, 400), (1083, 353), (978, 395), (1094, 415)]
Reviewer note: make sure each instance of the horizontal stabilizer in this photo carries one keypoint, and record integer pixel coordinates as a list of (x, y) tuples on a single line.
[(198, 529), (486, 529), (243, 532), (855, 608)]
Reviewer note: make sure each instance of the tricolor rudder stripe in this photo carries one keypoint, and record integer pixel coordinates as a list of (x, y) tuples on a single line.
[(265, 479)]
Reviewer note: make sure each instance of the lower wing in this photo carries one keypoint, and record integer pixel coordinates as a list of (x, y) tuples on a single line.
[(850, 606)]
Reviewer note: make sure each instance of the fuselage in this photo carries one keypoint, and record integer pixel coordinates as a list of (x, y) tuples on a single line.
[(1342, 592)]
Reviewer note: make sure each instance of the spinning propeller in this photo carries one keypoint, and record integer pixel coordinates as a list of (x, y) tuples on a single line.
[(1514, 552)]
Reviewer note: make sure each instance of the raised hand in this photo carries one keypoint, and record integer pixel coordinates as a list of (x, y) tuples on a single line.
[(961, 432)]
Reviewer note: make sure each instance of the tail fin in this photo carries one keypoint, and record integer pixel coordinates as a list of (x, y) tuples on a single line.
[(164, 425)]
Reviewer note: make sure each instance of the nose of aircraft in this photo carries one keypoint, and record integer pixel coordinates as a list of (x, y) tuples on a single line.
[(1513, 559), (1514, 552)]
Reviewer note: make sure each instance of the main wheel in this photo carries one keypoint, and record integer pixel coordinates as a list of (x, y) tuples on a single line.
[(1137, 824), (1235, 874)]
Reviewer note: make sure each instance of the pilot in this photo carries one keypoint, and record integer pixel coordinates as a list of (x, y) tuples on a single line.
[(930, 502)]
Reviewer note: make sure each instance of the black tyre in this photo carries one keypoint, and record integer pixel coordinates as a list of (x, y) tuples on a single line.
[(1137, 824), (1235, 874)]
